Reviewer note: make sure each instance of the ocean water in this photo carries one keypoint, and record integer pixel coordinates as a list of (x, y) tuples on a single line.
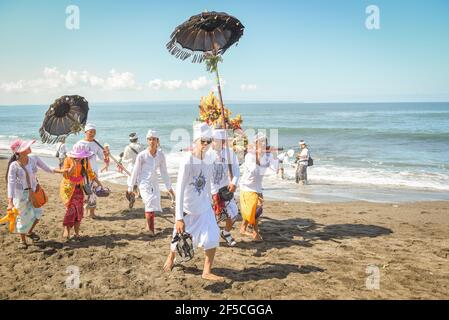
[(385, 152)]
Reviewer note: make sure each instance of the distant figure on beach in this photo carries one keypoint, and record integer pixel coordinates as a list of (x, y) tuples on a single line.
[(258, 162), (145, 176), (194, 213), (61, 151), (21, 179), (302, 163), (128, 160), (222, 185), (89, 144), (77, 176), (107, 159)]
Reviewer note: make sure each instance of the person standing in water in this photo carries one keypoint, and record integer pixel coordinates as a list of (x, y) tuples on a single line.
[(145, 176), (302, 163), (194, 213)]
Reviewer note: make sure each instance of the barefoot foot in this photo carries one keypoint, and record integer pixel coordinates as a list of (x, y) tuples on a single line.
[(212, 277), (169, 263)]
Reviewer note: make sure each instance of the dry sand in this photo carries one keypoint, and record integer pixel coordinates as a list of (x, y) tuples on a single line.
[(311, 251)]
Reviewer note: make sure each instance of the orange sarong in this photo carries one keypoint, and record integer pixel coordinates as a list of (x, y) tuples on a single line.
[(248, 206)]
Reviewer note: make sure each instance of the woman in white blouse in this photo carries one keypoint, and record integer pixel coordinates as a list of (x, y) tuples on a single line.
[(19, 190), (145, 176)]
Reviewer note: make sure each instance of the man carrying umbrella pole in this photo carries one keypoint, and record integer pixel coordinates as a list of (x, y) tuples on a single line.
[(90, 145), (222, 185)]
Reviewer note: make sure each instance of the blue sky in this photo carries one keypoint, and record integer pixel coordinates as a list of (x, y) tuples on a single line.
[(311, 51)]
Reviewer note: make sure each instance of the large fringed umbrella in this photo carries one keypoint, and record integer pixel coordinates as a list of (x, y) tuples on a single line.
[(206, 37), (65, 116)]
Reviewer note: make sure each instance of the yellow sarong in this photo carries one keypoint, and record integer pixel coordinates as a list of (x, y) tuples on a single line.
[(248, 206)]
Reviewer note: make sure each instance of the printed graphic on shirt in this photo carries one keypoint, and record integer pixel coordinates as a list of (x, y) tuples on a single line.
[(199, 182), (219, 171)]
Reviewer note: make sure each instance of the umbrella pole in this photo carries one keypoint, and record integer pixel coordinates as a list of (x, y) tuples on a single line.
[(228, 156), (113, 158)]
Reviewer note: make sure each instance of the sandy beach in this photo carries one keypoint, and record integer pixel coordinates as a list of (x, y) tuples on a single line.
[(311, 251)]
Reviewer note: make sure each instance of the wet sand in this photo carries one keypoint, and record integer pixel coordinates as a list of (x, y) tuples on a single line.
[(311, 251)]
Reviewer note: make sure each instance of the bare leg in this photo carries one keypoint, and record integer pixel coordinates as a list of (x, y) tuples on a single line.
[(243, 227), (77, 229), (66, 234), (92, 213), (32, 227), (170, 262), (23, 238), (208, 261), (150, 222), (256, 233), (229, 224)]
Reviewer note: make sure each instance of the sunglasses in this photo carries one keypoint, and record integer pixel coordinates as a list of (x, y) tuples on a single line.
[(206, 141)]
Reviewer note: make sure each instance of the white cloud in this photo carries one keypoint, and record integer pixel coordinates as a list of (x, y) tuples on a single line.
[(118, 81), (195, 84), (173, 84), (199, 83), (155, 84), (248, 87), (54, 79)]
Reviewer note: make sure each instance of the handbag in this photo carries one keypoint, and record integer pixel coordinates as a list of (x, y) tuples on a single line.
[(86, 186), (225, 194), (38, 198), (310, 162)]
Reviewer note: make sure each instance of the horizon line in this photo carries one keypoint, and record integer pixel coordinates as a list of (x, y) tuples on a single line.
[(239, 101)]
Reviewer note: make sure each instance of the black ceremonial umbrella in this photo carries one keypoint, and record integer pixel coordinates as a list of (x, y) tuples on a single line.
[(206, 37), (65, 116)]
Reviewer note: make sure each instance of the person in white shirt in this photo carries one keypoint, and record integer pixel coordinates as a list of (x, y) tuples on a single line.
[(302, 163), (144, 175), (89, 144), (61, 152), (194, 213), (258, 162), (130, 153), (21, 179), (223, 183)]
